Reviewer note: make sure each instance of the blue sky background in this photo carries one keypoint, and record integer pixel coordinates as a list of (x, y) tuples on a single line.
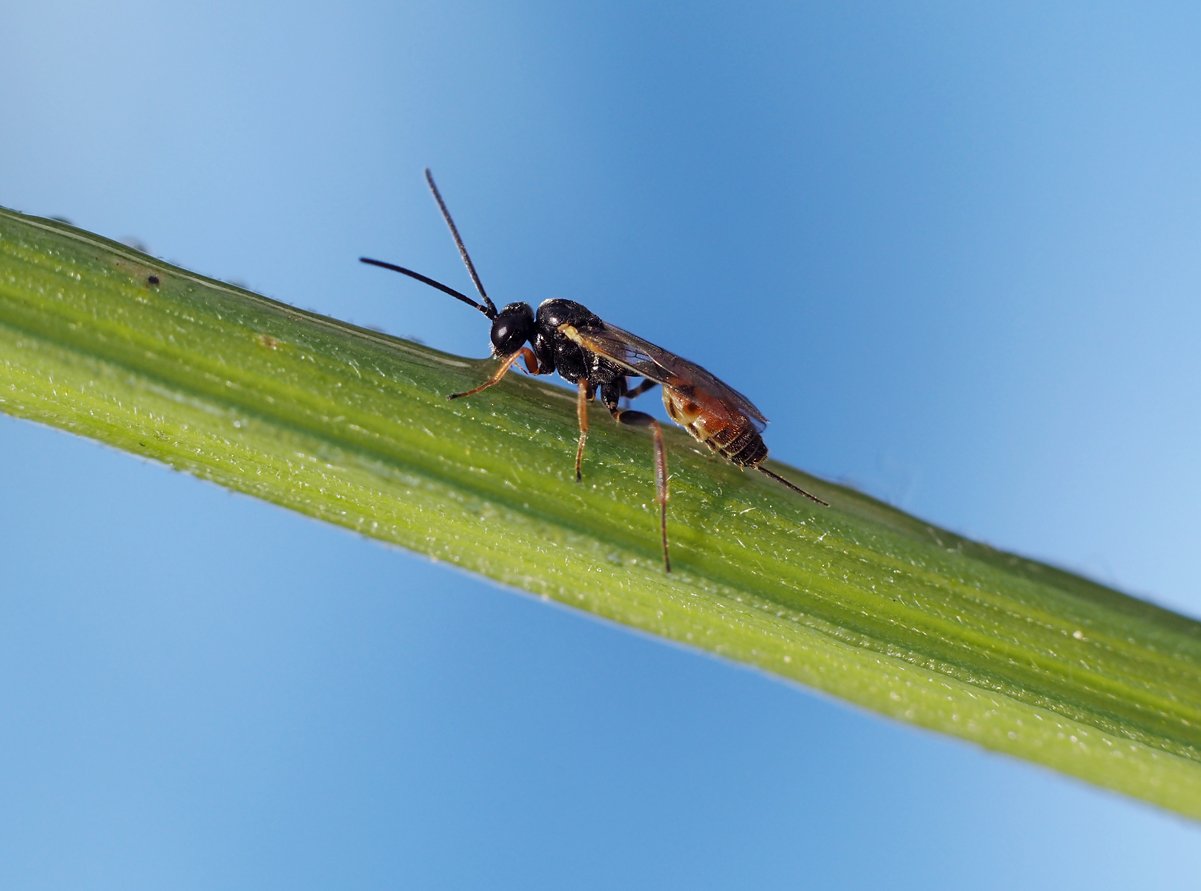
[(960, 246)]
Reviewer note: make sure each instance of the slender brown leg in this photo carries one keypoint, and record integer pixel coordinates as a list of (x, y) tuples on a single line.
[(531, 361), (531, 364), (641, 388), (581, 409), (642, 419)]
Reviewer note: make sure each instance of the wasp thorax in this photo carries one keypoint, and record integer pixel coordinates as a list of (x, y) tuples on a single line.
[(555, 312), (511, 328)]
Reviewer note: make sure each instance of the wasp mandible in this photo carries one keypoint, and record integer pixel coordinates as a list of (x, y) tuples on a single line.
[(599, 358)]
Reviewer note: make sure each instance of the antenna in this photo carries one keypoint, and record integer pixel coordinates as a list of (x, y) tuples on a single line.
[(425, 279), (454, 231)]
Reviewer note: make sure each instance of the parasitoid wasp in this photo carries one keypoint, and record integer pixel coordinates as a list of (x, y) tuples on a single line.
[(599, 358)]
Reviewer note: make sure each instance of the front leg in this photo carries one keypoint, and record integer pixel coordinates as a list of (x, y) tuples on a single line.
[(531, 365)]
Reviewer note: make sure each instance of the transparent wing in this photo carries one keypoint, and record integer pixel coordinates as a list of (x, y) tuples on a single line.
[(645, 359)]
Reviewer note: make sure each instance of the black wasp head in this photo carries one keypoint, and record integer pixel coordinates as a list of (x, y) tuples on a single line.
[(511, 328)]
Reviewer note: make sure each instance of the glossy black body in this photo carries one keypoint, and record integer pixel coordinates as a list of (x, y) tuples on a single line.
[(567, 338), (517, 325)]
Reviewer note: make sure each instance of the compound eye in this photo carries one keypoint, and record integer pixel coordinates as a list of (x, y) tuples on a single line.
[(512, 328)]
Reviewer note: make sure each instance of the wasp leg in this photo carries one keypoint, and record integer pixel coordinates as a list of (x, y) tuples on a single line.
[(531, 365), (642, 419), (646, 384), (581, 409)]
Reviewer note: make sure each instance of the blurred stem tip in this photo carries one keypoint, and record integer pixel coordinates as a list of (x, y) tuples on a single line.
[(353, 427)]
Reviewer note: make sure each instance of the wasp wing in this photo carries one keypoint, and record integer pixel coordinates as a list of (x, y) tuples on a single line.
[(647, 360)]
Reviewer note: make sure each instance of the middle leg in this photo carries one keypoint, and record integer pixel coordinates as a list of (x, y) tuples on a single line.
[(581, 410)]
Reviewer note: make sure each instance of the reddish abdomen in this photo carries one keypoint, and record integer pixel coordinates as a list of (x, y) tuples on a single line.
[(731, 434)]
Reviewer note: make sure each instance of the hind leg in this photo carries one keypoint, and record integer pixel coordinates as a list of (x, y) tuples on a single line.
[(640, 388), (642, 419)]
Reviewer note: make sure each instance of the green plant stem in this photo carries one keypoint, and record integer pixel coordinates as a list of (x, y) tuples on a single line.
[(353, 427)]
